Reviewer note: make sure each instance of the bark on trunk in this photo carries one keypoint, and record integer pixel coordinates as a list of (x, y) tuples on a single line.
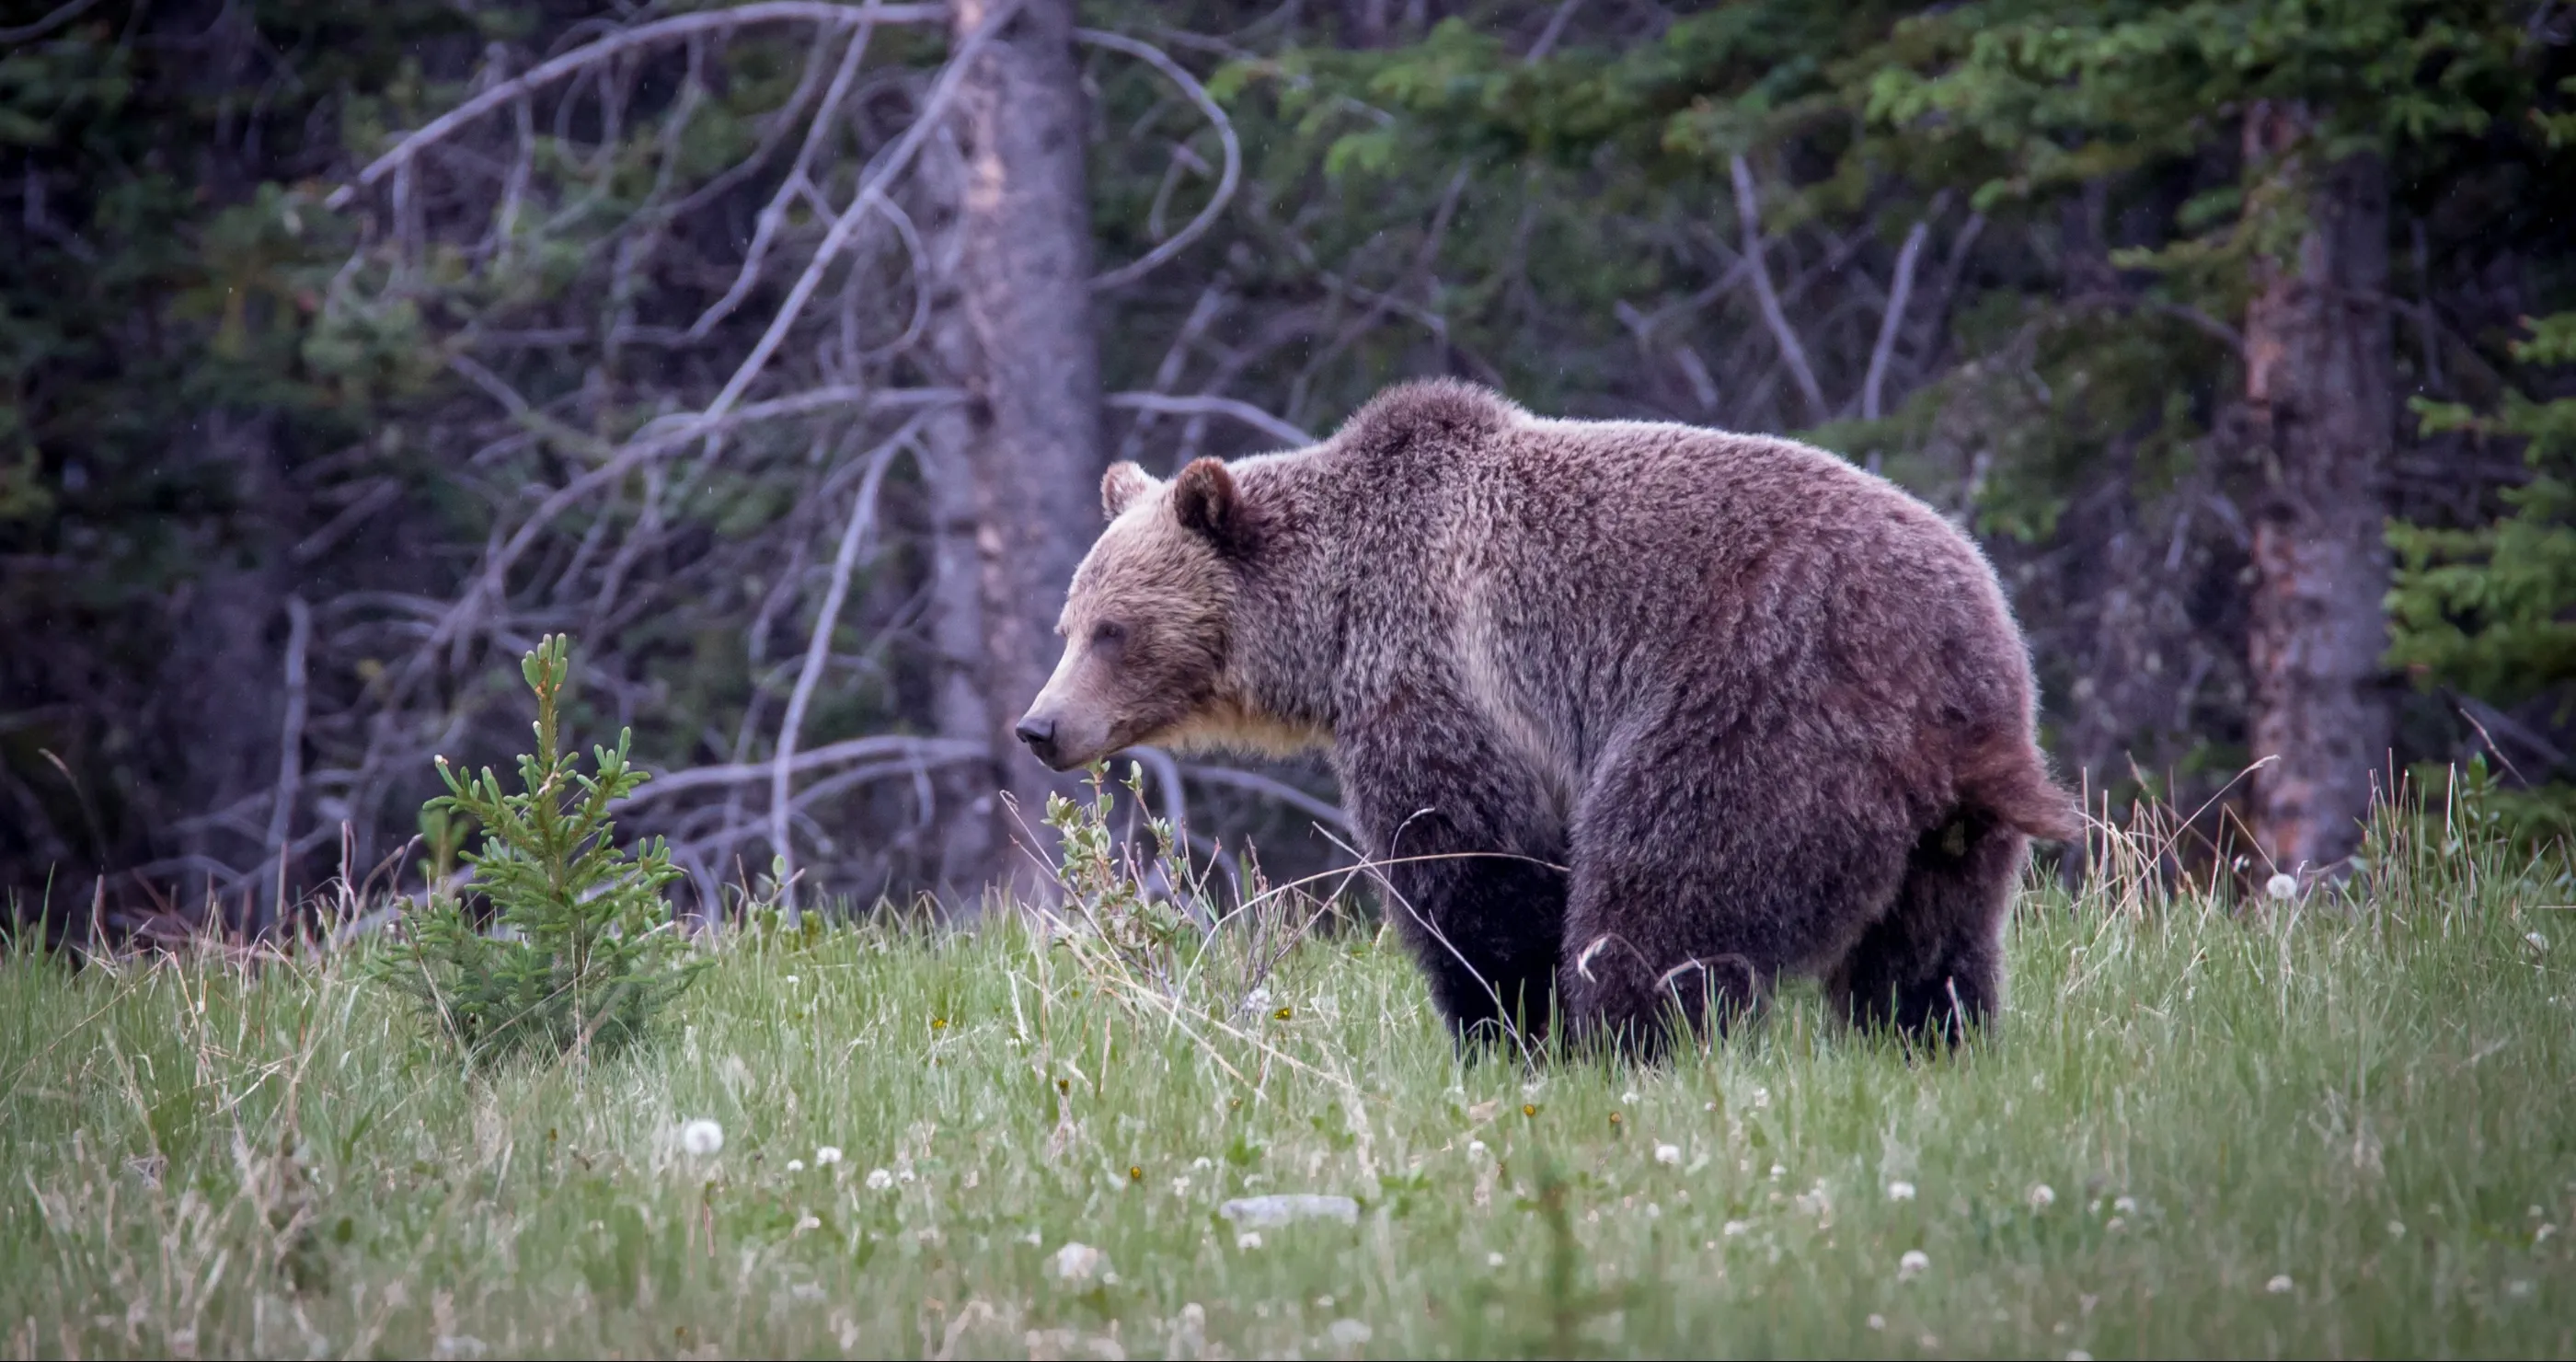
[(2318, 381), (1025, 241)]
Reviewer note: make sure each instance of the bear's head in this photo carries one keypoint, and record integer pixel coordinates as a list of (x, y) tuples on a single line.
[(1147, 622)]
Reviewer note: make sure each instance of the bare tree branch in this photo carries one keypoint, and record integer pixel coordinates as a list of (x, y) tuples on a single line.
[(1268, 788), (934, 751), (1898, 292), (1155, 57), (863, 514), (591, 54), (1208, 404), (43, 26), (1748, 213)]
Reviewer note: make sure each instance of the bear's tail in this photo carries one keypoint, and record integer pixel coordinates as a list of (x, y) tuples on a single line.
[(2010, 780)]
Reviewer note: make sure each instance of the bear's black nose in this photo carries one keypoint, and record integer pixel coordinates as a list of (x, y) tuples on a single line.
[(1038, 733)]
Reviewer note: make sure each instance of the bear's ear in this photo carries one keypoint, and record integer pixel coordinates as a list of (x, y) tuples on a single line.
[(1205, 499), (1123, 486)]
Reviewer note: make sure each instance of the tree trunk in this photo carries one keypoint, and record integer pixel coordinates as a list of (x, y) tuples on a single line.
[(2318, 381), (1025, 269)]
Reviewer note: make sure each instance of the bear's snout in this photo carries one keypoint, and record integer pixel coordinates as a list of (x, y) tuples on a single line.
[(1039, 733)]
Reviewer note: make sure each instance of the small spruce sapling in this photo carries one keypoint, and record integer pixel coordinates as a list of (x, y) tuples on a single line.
[(585, 955)]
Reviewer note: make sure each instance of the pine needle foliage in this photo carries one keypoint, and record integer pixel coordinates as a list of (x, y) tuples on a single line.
[(580, 957)]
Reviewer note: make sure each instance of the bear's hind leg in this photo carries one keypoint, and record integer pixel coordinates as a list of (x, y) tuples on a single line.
[(1933, 967), (1697, 882)]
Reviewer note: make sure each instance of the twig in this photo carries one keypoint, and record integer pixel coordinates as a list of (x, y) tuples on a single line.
[(1748, 213), (591, 54), (863, 514), (1897, 294), (1226, 179), (1208, 404)]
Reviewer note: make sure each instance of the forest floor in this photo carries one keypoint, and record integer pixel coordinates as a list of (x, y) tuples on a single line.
[(2314, 1130)]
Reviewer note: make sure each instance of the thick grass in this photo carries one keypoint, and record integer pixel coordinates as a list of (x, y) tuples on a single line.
[(2323, 1131)]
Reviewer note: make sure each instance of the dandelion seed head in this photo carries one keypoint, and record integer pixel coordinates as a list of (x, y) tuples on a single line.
[(2518, 1288), (1914, 1264), (1248, 1240), (1348, 1333), (795, 1165), (826, 1156), (1878, 1321), (702, 1138), (1900, 1191), (2536, 941), (2396, 1229), (1077, 1262), (1475, 1147), (2125, 1205), (904, 1176), (1779, 1171), (2078, 1355), (879, 1179), (1669, 1155), (1628, 1098), (1734, 1228), (2278, 1286), (2042, 1196), (2282, 886), (1494, 1260)]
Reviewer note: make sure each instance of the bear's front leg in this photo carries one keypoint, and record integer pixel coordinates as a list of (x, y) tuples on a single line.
[(1470, 869)]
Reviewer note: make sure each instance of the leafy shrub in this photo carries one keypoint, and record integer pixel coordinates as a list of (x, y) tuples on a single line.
[(581, 955)]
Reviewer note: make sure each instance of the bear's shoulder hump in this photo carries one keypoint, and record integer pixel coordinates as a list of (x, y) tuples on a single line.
[(1425, 415)]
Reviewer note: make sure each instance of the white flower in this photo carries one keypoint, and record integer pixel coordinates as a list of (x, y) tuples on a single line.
[(1734, 1228), (1180, 1186), (1669, 1155), (1628, 1098), (2042, 1196), (1249, 1239), (904, 1176), (1076, 1263), (1914, 1264), (795, 1165), (2125, 1205), (702, 1137), (1493, 1260), (2282, 886), (1779, 1171), (1900, 1191), (1475, 1147), (1348, 1333), (879, 1179), (2278, 1286), (826, 1156), (789, 979)]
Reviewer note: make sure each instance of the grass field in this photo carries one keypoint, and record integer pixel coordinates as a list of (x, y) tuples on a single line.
[(2317, 1130)]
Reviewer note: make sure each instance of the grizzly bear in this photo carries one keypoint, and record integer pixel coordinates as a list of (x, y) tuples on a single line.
[(1628, 716)]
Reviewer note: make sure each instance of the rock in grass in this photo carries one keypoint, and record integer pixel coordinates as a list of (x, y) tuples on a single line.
[(1254, 1212)]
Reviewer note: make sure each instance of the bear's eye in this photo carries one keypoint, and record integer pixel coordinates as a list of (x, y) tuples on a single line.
[(1108, 634)]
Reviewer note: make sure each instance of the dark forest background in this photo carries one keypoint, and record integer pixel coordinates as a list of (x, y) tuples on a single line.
[(774, 351)]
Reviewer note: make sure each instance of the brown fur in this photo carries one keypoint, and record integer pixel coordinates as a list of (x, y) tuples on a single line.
[(1636, 715)]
